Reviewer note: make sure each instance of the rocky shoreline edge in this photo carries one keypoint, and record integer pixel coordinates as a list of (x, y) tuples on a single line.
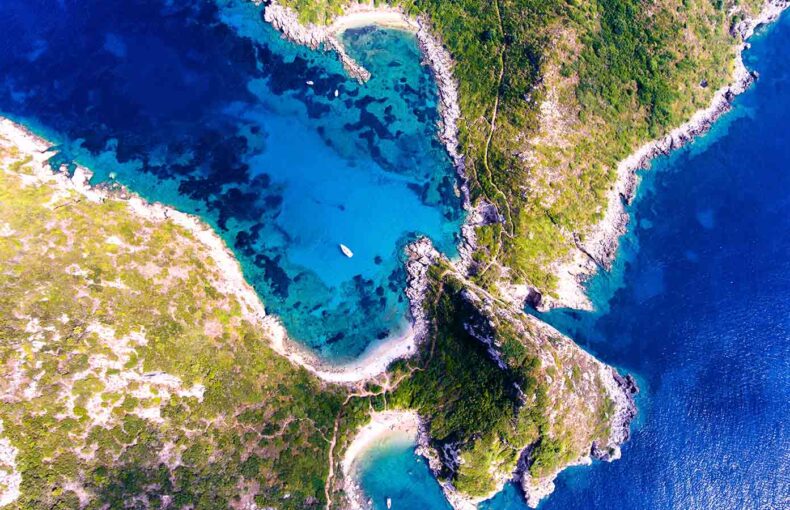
[(421, 255), (620, 389), (373, 361), (439, 61), (599, 248), (434, 55)]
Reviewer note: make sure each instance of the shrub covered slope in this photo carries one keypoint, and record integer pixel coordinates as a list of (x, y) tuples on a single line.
[(554, 93)]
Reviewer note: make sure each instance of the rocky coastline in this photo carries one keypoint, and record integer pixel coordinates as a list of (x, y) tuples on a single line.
[(434, 55), (440, 62), (620, 390), (599, 248), (370, 365), (421, 255), (286, 21)]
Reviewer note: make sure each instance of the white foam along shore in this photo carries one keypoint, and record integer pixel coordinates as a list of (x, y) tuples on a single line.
[(382, 425), (370, 364), (599, 247)]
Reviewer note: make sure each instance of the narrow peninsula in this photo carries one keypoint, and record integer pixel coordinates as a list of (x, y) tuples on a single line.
[(139, 368)]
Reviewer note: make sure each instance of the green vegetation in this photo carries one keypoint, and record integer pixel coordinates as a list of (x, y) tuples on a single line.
[(490, 414), (131, 377), (130, 374), (571, 88)]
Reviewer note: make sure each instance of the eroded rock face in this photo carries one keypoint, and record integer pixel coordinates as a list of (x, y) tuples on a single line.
[(587, 384), (601, 241), (568, 407), (421, 255), (313, 36)]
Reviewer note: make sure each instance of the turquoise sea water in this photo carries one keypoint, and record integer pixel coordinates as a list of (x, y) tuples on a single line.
[(698, 308), (390, 470), (202, 106)]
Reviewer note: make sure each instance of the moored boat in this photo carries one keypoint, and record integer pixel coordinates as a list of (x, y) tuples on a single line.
[(346, 251)]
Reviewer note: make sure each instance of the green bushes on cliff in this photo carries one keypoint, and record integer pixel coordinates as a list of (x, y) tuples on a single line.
[(554, 93), (484, 390)]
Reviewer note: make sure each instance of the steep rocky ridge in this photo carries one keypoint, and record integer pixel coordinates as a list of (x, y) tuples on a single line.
[(502, 395)]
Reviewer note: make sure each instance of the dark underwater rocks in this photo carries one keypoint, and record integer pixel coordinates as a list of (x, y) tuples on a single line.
[(182, 107)]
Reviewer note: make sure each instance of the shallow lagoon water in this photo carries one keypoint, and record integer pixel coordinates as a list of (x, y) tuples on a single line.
[(412, 488), (697, 307), (204, 107)]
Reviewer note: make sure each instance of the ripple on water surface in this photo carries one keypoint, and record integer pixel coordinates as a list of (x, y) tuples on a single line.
[(204, 107)]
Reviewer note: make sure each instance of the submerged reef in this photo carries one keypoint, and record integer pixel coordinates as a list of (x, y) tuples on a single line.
[(139, 367)]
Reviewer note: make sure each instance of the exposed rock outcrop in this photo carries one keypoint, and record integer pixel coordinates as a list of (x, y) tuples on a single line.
[(313, 36), (593, 386), (590, 406), (599, 248), (421, 255)]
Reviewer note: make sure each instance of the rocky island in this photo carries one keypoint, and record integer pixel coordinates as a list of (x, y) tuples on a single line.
[(140, 369)]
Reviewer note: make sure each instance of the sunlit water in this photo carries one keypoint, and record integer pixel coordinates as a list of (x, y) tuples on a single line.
[(389, 470), (202, 105), (698, 307)]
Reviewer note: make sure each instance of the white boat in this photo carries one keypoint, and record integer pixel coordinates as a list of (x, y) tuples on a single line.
[(310, 82), (337, 92), (346, 251), (389, 503)]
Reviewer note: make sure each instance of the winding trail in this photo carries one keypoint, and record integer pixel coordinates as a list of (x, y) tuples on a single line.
[(495, 110), (386, 386), (494, 113)]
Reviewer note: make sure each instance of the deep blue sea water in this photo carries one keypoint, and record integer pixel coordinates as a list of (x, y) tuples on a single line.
[(698, 308), (201, 105)]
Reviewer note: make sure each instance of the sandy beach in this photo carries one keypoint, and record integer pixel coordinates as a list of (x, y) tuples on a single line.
[(365, 15), (378, 356), (370, 364), (381, 425)]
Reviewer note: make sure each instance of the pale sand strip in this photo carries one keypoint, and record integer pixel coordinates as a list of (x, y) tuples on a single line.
[(365, 15), (372, 363), (381, 425)]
